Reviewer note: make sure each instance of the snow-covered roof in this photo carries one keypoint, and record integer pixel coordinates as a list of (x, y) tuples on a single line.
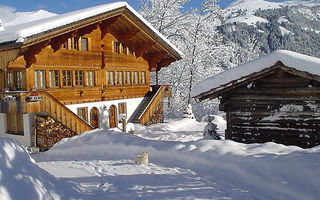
[(288, 58), (21, 32)]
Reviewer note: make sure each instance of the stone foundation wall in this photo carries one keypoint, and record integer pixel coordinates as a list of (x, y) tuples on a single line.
[(49, 132)]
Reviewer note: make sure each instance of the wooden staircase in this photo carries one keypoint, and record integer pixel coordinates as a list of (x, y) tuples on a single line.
[(141, 108), (149, 105), (61, 113)]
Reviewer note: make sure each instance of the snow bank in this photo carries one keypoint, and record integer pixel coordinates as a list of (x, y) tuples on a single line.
[(235, 170), (183, 130), (21, 178), (288, 58)]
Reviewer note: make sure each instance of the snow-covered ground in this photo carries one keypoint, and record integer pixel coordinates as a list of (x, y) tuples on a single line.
[(99, 165), (242, 11)]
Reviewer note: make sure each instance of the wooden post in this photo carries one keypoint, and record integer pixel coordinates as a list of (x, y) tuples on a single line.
[(124, 125), (157, 78)]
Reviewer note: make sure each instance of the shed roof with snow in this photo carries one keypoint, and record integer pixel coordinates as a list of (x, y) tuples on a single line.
[(291, 60)]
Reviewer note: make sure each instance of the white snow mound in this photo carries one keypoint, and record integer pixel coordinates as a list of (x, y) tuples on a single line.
[(21, 178), (231, 170)]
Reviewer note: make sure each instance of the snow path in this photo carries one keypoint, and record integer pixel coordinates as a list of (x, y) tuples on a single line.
[(124, 180)]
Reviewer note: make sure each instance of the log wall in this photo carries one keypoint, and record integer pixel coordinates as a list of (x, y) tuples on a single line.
[(99, 58), (279, 108)]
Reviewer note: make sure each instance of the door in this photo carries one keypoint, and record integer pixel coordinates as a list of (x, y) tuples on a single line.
[(94, 117), (113, 116)]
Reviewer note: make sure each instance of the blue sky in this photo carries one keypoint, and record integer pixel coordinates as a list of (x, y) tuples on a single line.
[(63, 6)]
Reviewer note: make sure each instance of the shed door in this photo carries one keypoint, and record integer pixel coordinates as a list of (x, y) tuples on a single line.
[(94, 117), (113, 116)]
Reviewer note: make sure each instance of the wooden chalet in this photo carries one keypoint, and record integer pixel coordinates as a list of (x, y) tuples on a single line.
[(80, 71), (275, 98)]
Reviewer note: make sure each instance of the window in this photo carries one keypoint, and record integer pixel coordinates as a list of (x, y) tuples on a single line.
[(127, 78), (124, 50), (64, 45), (9, 80), (79, 78), (19, 79), (131, 52), (110, 78), (90, 78), (39, 78), (15, 123), (84, 44), (135, 78), (73, 43), (66, 78), (116, 47), (83, 113), (143, 77), (118, 78), (53, 78), (122, 108)]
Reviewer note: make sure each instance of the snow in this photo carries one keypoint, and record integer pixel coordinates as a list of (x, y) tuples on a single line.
[(21, 178), (284, 31), (283, 19), (311, 29), (99, 165), (248, 19), (288, 58), (11, 19), (19, 32), (181, 130), (242, 11)]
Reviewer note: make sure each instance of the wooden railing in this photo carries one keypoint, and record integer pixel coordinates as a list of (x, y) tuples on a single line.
[(61, 113), (152, 107)]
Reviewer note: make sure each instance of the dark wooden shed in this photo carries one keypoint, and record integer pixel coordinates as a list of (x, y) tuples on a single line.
[(275, 98)]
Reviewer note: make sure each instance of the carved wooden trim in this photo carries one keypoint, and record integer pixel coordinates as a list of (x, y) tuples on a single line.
[(106, 24), (30, 53), (126, 36), (142, 49), (7, 56), (58, 41), (154, 58), (87, 30), (165, 62)]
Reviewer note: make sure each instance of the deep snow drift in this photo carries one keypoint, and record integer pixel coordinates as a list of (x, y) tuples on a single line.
[(21, 178)]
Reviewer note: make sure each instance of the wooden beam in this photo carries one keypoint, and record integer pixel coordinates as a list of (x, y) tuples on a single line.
[(154, 58), (300, 73), (214, 92), (58, 41), (142, 49), (30, 53), (127, 35), (106, 24), (86, 30), (165, 62), (7, 56)]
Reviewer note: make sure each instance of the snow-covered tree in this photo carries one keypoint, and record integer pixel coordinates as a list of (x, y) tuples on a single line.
[(164, 15), (188, 113), (195, 33)]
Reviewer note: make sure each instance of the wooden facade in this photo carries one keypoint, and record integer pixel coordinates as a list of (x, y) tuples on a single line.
[(278, 104), (106, 57)]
